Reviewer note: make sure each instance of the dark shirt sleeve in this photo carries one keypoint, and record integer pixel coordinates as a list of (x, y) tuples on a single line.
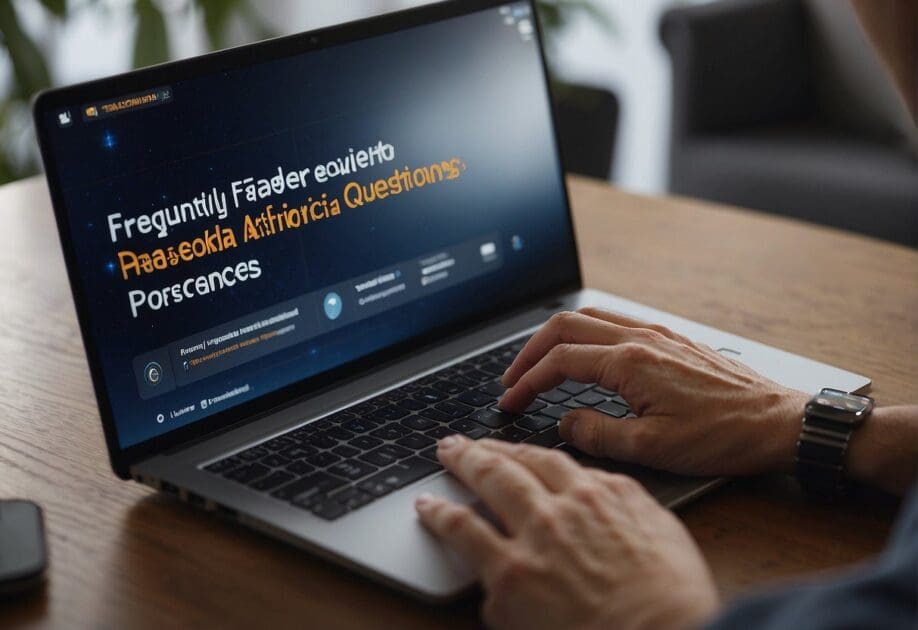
[(878, 596)]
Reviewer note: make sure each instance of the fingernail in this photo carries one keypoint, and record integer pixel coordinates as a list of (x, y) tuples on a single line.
[(566, 427), (503, 377), (423, 500), (449, 442)]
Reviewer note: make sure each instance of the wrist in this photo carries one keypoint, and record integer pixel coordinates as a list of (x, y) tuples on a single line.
[(787, 423), (884, 452)]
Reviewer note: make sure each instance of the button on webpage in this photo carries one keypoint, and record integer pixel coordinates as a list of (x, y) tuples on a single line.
[(153, 373)]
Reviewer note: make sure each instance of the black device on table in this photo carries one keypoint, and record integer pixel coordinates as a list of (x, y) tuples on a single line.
[(23, 552)]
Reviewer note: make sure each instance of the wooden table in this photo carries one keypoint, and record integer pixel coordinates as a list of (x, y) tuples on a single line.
[(124, 557)]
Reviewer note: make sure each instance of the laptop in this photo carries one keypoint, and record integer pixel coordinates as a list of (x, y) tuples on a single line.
[(298, 264)]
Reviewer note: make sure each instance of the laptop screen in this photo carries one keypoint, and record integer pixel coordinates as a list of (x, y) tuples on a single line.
[(249, 228)]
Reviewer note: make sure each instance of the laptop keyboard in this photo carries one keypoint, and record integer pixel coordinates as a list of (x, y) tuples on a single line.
[(347, 460)]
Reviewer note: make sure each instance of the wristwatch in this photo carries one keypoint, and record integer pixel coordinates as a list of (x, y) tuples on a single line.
[(830, 419)]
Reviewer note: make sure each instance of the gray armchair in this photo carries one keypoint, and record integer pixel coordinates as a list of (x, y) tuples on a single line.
[(748, 128)]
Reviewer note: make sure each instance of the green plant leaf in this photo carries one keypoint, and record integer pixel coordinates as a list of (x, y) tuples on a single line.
[(29, 68), (57, 7), (151, 43), (217, 15)]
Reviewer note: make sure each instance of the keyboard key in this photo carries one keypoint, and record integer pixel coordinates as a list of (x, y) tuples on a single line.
[(328, 510), (365, 442), (573, 388), (604, 391), (611, 408), (323, 459), (440, 432), (535, 405), (392, 412), (454, 409), (248, 473), (360, 425), (554, 396), (351, 469), (465, 426), (323, 440), (464, 382), (418, 423), (494, 368), (351, 498), (391, 431), (253, 454), (346, 451), (476, 398), (620, 400), (430, 453), (298, 452), (274, 461), (385, 455), (536, 423), (555, 411), (447, 387), (415, 441), (300, 468), (273, 480), (401, 474), (436, 415), (591, 399), (363, 408), (341, 417), (430, 396), (478, 433), (493, 419), (493, 388), (340, 434), (549, 439), (573, 404), (316, 483), (512, 434), (411, 404), (478, 375), (223, 465), (279, 443)]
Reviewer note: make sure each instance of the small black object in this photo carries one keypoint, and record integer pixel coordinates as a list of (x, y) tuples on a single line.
[(23, 552)]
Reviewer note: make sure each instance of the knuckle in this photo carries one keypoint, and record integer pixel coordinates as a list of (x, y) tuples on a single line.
[(641, 441), (562, 319), (589, 311), (634, 352), (485, 469), (543, 517), (507, 574), (622, 484), (662, 331), (593, 437), (559, 352), (587, 493), (457, 520)]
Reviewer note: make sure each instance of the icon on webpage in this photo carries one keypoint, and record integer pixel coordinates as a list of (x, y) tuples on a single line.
[(153, 373), (333, 306), (65, 119)]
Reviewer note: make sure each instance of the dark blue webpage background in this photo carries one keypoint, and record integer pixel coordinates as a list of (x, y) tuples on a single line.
[(469, 87)]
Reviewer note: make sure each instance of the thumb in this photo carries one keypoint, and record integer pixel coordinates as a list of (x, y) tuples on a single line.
[(599, 435)]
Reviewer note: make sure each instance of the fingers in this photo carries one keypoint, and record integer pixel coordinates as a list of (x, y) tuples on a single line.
[(581, 363), (631, 322), (507, 487), (555, 469), (596, 434), (567, 327), (461, 529)]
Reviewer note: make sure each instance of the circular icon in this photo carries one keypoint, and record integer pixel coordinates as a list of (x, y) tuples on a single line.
[(160, 418), (332, 306), (153, 373)]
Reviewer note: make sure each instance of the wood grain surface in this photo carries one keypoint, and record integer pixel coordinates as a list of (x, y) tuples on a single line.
[(122, 557)]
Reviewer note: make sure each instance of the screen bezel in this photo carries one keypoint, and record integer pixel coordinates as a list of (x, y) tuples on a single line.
[(72, 96)]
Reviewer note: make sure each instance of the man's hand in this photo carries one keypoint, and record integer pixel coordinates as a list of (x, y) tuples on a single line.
[(582, 549), (701, 413)]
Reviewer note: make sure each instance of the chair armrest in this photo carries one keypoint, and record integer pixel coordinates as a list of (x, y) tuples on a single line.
[(738, 63)]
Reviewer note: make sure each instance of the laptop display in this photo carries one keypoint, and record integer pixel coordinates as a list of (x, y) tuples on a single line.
[(241, 229)]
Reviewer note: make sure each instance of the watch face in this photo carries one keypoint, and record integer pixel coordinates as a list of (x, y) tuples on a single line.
[(842, 401)]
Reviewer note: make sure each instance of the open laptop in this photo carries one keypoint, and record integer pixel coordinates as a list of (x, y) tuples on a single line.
[(298, 264)]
